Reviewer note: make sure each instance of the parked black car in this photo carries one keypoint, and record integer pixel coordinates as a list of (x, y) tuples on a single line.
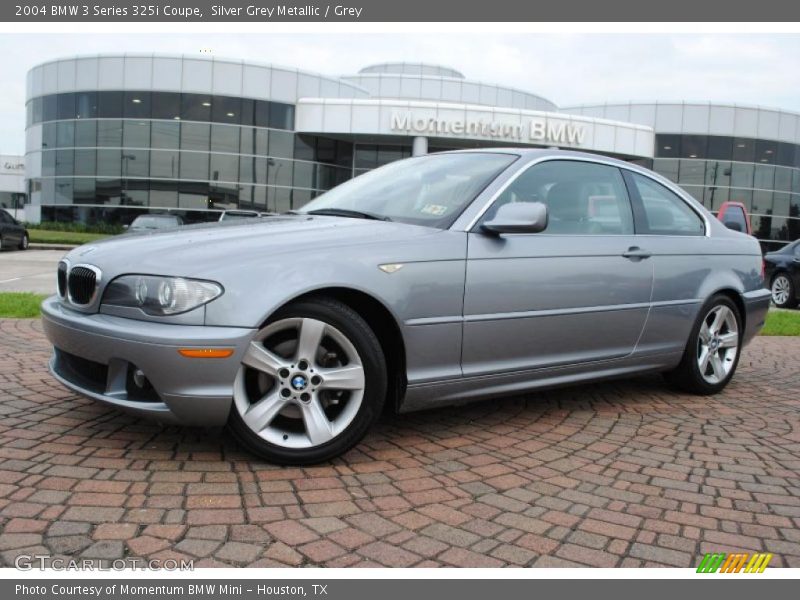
[(12, 233), (782, 269)]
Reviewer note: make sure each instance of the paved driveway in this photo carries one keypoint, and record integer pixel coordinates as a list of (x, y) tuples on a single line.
[(29, 271), (619, 474)]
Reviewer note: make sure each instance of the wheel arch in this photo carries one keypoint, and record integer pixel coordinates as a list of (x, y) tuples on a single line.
[(382, 321)]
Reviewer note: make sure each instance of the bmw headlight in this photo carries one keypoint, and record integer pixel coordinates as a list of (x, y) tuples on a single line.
[(160, 296)]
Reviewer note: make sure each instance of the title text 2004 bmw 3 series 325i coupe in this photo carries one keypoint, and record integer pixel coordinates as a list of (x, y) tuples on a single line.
[(430, 281)]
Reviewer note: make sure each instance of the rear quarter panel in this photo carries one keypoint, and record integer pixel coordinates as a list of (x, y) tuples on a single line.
[(688, 271)]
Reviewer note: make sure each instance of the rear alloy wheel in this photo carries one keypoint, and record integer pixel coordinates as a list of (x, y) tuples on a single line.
[(712, 353), (311, 383), (783, 291), (23, 243)]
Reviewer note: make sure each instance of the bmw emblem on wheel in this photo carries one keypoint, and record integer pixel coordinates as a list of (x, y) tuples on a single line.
[(299, 382)]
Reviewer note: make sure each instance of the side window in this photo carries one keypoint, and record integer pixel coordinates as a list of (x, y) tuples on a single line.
[(5, 217), (582, 198), (735, 214), (664, 211), (797, 250)]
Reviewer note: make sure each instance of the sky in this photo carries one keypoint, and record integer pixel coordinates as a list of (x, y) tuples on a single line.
[(569, 69)]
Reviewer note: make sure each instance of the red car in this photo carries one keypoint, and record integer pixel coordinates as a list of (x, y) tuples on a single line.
[(734, 216)]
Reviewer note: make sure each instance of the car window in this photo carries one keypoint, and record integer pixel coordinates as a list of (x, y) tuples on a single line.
[(5, 217), (582, 198), (735, 214), (664, 211), (152, 222)]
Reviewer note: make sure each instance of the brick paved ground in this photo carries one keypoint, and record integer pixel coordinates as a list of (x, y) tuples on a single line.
[(619, 474)]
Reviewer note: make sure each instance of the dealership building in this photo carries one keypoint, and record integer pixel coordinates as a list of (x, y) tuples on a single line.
[(12, 184), (111, 136)]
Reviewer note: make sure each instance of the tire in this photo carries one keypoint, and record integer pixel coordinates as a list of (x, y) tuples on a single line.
[(783, 292), (23, 243), (284, 390), (689, 376)]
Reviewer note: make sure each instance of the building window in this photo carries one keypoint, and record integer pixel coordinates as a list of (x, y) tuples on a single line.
[(136, 105), (196, 107), (166, 105)]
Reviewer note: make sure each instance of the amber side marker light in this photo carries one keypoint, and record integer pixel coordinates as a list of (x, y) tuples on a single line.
[(206, 352)]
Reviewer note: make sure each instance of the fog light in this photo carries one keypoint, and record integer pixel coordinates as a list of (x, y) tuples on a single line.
[(139, 379)]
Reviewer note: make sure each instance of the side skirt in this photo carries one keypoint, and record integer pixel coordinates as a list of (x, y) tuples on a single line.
[(461, 391)]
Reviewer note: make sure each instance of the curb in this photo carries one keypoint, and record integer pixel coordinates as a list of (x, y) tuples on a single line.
[(39, 246)]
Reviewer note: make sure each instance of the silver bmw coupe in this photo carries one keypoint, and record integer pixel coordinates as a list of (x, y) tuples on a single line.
[(431, 281)]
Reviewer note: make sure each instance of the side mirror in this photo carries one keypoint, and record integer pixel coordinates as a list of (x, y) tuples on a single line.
[(733, 225), (518, 217)]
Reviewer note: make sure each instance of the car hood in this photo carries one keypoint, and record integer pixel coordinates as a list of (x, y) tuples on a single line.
[(202, 250)]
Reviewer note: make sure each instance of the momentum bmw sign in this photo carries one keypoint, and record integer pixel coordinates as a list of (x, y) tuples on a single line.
[(533, 131)]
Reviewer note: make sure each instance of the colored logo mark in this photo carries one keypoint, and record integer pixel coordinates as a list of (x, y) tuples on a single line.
[(720, 562)]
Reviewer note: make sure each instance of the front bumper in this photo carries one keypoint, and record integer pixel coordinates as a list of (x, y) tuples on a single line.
[(756, 306), (95, 355)]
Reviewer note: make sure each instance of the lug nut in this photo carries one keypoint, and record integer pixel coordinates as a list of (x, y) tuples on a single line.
[(315, 380), (285, 392), (302, 365), (305, 397), (284, 373)]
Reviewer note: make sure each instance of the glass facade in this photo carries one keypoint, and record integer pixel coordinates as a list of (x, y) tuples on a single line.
[(179, 151), (761, 174), (200, 151)]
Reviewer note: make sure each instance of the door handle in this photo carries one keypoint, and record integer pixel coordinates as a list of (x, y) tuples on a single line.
[(636, 253)]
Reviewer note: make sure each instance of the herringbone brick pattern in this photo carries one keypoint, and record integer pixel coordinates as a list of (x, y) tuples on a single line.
[(616, 474)]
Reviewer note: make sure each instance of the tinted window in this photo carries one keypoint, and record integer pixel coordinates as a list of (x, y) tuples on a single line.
[(66, 106), (196, 107), (664, 211), (165, 134), (166, 105), (86, 134), (86, 105), (137, 105), (109, 105), (582, 198)]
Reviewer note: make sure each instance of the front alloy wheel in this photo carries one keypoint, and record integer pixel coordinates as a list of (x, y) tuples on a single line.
[(782, 291), (310, 384)]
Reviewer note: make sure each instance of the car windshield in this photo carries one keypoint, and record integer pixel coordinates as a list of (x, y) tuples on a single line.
[(154, 222), (427, 190)]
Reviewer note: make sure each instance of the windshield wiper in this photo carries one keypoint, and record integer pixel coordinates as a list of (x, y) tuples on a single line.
[(346, 212)]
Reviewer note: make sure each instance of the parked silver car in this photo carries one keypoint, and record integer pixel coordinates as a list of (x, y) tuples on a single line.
[(430, 281)]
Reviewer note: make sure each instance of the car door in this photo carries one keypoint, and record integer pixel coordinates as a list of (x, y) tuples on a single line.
[(577, 292)]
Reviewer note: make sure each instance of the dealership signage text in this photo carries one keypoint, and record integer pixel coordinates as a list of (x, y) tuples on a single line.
[(535, 130)]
